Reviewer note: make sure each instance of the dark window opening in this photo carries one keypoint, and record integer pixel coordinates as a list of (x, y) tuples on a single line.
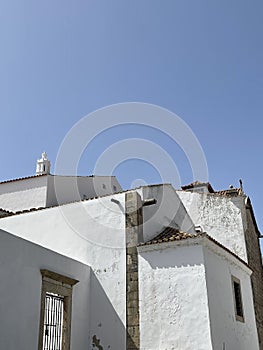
[(238, 299)]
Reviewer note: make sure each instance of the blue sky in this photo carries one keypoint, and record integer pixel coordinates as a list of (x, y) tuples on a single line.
[(61, 60)]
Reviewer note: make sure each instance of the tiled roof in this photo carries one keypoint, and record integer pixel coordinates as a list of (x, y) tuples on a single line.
[(170, 234), (4, 213), (198, 184), (25, 211), (22, 178), (34, 176), (30, 210), (231, 192), (73, 202)]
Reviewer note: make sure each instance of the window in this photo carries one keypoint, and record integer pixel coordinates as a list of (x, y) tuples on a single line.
[(53, 321), (55, 313), (238, 299)]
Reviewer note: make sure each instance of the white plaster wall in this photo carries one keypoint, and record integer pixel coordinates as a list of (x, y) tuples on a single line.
[(219, 216), (20, 293), (173, 298), (23, 194), (42, 191), (226, 332), (66, 189), (168, 211), (92, 232)]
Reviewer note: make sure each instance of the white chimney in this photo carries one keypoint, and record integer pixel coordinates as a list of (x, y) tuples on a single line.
[(43, 165)]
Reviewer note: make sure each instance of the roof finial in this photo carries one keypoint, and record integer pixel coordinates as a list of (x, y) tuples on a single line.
[(241, 185), (44, 155), (43, 165)]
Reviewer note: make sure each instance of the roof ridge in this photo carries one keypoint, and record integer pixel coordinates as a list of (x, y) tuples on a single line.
[(237, 191), (23, 178), (6, 211), (25, 211), (169, 234), (184, 236), (40, 175)]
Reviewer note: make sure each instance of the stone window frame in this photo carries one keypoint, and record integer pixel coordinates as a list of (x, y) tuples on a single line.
[(239, 318), (53, 282)]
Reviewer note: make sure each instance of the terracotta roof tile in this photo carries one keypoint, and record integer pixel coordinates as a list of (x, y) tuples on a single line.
[(170, 234), (198, 184), (22, 178), (64, 204), (4, 213), (35, 176), (231, 192)]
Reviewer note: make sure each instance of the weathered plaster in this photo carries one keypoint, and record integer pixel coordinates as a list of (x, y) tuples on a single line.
[(23, 194), (226, 331), (96, 343), (91, 232), (173, 298), (186, 298), (219, 216)]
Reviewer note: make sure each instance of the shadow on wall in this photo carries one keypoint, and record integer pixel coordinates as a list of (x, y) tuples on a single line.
[(95, 323), (107, 331), (23, 185), (173, 257), (168, 211), (20, 292)]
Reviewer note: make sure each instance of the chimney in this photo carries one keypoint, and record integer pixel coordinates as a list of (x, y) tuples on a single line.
[(43, 165)]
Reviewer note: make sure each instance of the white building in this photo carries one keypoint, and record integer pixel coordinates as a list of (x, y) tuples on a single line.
[(85, 265), (46, 190)]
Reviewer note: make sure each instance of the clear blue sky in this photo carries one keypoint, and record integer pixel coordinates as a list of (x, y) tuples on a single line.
[(203, 60)]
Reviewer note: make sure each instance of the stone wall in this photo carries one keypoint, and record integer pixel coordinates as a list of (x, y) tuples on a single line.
[(133, 211), (255, 262)]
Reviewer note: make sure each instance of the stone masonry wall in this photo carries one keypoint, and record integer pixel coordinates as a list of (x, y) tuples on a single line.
[(133, 212), (255, 262)]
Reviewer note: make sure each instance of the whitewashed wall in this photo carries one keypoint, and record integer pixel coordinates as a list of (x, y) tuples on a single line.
[(23, 194), (168, 211), (91, 232), (186, 298), (20, 293), (219, 216), (227, 333), (42, 191), (173, 298), (66, 189)]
